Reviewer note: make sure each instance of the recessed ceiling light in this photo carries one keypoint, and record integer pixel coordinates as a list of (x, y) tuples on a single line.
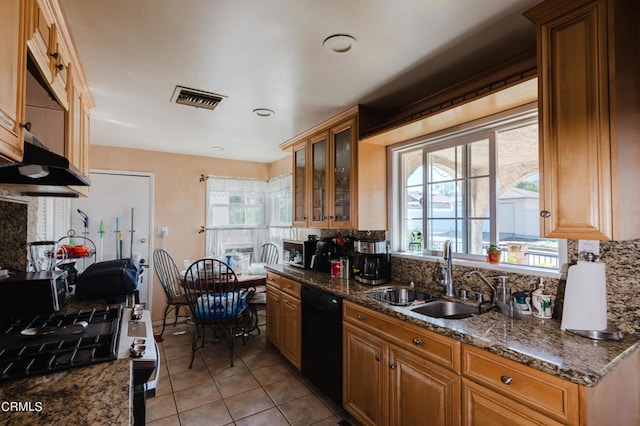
[(263, 112), (218, 148), (339, 43)]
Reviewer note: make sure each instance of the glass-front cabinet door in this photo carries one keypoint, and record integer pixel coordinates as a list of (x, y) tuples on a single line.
[(300, 185), (342, 181), (319, 181)]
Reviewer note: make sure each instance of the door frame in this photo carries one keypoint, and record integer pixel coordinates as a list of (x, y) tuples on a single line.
[(151, 242)]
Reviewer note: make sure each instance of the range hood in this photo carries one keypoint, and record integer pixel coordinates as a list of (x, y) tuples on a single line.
[(41, 169)]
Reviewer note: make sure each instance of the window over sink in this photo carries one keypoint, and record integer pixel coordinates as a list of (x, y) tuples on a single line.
[(475, 185)]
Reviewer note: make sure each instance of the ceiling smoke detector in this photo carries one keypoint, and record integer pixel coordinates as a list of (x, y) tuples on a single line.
[(196, 98)]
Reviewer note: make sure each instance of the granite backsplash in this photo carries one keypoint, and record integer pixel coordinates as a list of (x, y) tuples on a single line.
[(18, 218), (621, 258)]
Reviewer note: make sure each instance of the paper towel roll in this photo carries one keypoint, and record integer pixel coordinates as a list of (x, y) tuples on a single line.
[(585, 299)]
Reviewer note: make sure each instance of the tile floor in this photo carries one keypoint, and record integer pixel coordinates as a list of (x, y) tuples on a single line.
[(262, 388)]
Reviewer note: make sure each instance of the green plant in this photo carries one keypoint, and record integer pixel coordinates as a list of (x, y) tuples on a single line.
[(493, 248)]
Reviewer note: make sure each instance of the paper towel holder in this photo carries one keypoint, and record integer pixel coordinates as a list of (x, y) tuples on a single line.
[(588, 256)]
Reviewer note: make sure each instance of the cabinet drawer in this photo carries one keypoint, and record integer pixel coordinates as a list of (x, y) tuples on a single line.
[(543, 392), (286, 285), (483, 406), (432, 346)]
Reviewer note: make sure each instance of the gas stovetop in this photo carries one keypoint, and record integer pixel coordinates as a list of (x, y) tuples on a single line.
[(45, 344)]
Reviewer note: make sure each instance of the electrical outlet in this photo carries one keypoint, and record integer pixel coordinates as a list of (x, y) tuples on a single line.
[(163, 231), (592, 246)]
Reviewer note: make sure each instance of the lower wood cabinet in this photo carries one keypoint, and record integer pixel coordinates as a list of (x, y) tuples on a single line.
[(528, 396), (421, 392), (396, 373), (365, 375), (390, 377), (284, 317), (482, 406)]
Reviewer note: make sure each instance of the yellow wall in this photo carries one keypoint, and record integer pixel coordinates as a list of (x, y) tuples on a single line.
[(179, 196), (281, 167)]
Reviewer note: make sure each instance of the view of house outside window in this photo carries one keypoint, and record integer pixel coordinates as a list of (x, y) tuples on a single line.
[(475, 190)]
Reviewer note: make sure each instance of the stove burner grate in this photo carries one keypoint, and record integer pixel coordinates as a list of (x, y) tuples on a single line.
[(23, 356)]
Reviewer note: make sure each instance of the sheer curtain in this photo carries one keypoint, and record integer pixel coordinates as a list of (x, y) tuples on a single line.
[(244, 214), (279, 217)]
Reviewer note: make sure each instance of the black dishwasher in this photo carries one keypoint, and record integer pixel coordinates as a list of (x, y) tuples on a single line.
[(322, 341)]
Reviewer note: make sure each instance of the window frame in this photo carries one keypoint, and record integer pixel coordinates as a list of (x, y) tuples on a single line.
[(454, 136), (229, 205)]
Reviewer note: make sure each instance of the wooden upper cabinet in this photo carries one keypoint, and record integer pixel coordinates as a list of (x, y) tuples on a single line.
[(300, 199), (47, 48), (75, 116), (41, 31), (335, 187), (343, 182), (12, 78), (60, 70), (76, 147), (588, 63), (318, 187)]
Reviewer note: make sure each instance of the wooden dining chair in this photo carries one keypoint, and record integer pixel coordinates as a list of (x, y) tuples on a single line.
[(269, 254), (171, 281), (216, 302)]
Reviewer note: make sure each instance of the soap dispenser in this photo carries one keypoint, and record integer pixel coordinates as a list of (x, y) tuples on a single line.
[(541, 301)]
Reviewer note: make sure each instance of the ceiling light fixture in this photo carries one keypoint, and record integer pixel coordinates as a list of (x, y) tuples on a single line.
[(263, 112), (339, 43), (218, 148)]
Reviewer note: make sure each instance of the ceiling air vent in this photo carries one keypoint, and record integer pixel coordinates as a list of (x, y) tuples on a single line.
[(196, 98)]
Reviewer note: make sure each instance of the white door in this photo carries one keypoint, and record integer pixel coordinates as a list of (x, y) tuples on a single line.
[(118, 195)]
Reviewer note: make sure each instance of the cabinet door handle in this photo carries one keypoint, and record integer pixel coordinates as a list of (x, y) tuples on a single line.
[(545, 213), (60, 67), (392, 366), (378, 358), (506, 380), (417, 341), (26, 125), (54, 55), (361, 318)]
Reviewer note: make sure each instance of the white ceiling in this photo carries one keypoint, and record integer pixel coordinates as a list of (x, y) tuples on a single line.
[(268, 54)]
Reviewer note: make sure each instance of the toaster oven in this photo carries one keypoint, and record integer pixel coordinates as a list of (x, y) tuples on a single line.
[(26, 293)]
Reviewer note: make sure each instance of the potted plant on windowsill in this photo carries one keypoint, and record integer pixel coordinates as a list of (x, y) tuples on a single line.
[(493, 254)]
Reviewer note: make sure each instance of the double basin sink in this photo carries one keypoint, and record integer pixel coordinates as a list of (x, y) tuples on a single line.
[(423, 303)]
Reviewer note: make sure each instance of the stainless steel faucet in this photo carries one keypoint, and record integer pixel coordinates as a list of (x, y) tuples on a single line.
[(447, 279), (487, 282)]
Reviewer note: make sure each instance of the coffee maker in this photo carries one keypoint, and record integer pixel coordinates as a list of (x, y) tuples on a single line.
[(372, 262), (325, 251)]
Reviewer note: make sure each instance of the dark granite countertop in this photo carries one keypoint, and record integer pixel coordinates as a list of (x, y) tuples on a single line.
[(97, 394), (531, 341)]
